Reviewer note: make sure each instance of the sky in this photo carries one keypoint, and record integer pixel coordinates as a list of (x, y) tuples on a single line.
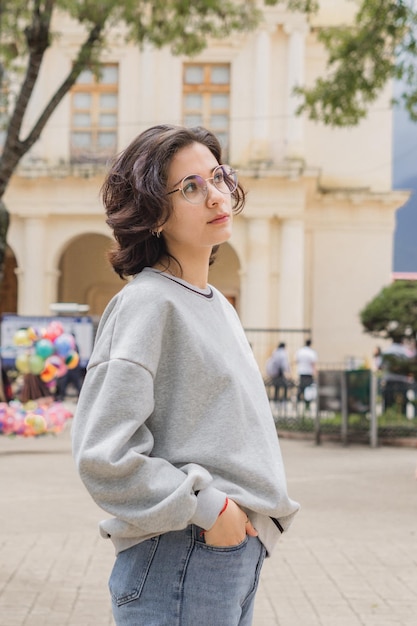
[(405, 177)]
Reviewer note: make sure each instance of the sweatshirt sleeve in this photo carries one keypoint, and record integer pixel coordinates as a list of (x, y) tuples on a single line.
[(112, 447)]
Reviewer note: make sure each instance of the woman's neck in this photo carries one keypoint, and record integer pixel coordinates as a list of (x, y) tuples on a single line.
[(193, 270)]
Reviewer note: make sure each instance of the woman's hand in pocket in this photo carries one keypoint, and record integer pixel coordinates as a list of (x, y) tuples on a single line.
[(230, 528)]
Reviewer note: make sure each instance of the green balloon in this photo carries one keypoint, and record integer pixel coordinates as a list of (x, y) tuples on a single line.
[(44, 348), (36, 364)]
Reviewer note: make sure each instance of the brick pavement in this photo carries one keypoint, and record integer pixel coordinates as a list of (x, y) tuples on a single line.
[(349, 560)]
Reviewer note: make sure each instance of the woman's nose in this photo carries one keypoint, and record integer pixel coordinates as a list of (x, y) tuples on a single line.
[(213, 194)]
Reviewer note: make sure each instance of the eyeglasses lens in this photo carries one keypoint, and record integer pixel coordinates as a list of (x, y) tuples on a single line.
[(194, 188)]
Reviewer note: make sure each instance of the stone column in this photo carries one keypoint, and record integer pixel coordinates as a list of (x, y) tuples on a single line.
[(256, 279), (32, 274), (260, 149), (52, 277), (147, 82), (295, 72), (291, 284)]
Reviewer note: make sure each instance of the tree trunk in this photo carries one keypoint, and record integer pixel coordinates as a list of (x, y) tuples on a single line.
[(15, 148), (4, 226)]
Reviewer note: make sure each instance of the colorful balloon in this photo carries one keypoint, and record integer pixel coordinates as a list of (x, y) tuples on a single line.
[(22, 363), (44, 348), (34, 425), (30, 405), (48, 373), (34, 333), (32, 419), (72, 360), (21, 338), (53, 330), (55, 360), (64, 344), (36, 364), (62, 370)]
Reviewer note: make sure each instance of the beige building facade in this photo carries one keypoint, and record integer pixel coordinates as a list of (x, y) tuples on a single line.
[(314, 243)]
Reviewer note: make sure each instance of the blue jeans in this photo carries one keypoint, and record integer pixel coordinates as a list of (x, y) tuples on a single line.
[(175, 579)]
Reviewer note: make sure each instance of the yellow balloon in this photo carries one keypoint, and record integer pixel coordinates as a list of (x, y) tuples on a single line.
[(22, 363), (30, 405), (33, 333), (35, 424), (72, 360), (21, 338)]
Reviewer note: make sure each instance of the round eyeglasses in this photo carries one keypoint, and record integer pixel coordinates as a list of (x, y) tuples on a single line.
[(194, 188)]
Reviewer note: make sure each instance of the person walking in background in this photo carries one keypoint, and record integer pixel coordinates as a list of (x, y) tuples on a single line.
[(72, 377), (396, 379), (376, 359), (306, 359), (173, 434), (278, 370)]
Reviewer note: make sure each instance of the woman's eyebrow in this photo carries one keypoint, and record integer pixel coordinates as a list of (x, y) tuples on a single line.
[(187, 175)]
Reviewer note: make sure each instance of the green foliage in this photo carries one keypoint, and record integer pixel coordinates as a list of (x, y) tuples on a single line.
[(26, 32), (185, 25), (393, 311), (391, 417), (381, 44), (304, 6), (393, 314)]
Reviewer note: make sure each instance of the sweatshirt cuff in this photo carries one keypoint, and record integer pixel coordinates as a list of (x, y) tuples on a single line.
[(210, 502)]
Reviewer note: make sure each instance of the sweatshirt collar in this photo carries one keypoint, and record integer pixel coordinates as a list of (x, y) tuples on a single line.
[(207, 292)]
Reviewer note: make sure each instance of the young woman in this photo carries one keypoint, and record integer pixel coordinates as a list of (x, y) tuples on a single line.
[(173, 434)]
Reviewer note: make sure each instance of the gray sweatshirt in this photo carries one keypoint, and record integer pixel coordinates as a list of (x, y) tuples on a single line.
[(173, 417)]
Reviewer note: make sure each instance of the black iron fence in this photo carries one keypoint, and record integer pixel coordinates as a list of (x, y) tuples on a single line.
[(349, 406)]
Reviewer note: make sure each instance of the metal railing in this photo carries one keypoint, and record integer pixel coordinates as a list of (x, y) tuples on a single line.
[(349, 406), (265, 340)]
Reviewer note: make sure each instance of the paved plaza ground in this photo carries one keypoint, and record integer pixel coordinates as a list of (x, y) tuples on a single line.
[(350, 558)]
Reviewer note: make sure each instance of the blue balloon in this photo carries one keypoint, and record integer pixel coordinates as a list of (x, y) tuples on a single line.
[(64, 344)]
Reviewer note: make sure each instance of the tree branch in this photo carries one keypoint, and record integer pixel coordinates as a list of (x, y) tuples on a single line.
[(38, 39), (15, 148), (83, 57)]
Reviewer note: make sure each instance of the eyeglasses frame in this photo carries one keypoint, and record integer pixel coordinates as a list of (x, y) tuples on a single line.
[(206, 180)]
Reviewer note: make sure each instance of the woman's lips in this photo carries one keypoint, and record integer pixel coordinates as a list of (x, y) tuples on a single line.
[(220, 219)]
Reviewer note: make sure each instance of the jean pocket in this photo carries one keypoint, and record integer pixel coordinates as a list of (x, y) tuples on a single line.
[(130, 570), (229, 549)]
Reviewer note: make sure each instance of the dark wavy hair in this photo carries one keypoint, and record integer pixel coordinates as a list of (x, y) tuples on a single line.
[(135, 196)]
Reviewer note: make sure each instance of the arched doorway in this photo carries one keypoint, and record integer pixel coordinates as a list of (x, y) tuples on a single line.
[(224, 274), (86, 277), (8, 287)]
